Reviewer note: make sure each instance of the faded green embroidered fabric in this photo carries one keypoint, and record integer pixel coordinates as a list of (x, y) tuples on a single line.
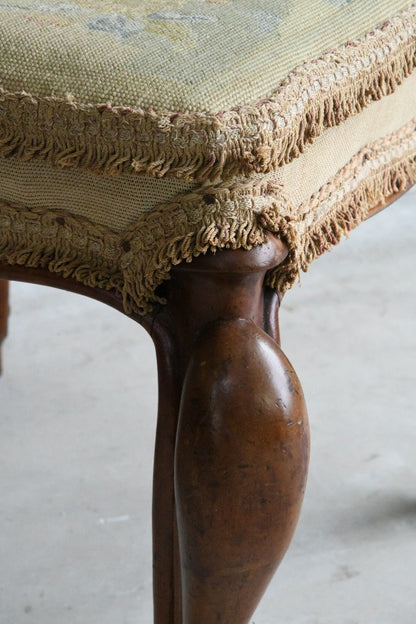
[(194, 145), (177, 55)]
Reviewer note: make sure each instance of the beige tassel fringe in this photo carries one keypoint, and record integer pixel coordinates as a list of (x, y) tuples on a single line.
[(65, 244), (136, 262)]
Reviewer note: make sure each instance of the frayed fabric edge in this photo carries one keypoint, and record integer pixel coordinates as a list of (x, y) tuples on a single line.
[(136, 262), (205, 221), (63, 243), (207, 146), (370, 179)]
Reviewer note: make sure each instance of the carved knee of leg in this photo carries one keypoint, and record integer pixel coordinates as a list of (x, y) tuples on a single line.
[(241, 461)]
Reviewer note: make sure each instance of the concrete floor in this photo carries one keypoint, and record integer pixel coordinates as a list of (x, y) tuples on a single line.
[(78, 404)]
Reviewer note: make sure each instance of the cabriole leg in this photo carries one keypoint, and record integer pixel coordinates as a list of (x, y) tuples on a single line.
[(241, 446)]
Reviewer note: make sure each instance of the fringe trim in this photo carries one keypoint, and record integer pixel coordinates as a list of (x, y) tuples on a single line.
[(207, 146), (369, 179), (208, 220), (63, 243), (139, 260)]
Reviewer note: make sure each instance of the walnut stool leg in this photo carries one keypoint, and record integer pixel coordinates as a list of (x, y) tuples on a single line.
[(4, 312), (242, 441), (166, 582)]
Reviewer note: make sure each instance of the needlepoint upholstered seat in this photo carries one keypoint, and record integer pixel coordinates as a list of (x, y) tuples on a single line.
[(184, 161)]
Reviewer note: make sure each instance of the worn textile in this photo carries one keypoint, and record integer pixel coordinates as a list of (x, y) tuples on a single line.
[(201, 55), (134, 136), (117, 202), (257, 136), (112, 202), (136, 261)]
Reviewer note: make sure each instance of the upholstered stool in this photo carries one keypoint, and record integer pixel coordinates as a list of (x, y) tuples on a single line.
[(184, 161)]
